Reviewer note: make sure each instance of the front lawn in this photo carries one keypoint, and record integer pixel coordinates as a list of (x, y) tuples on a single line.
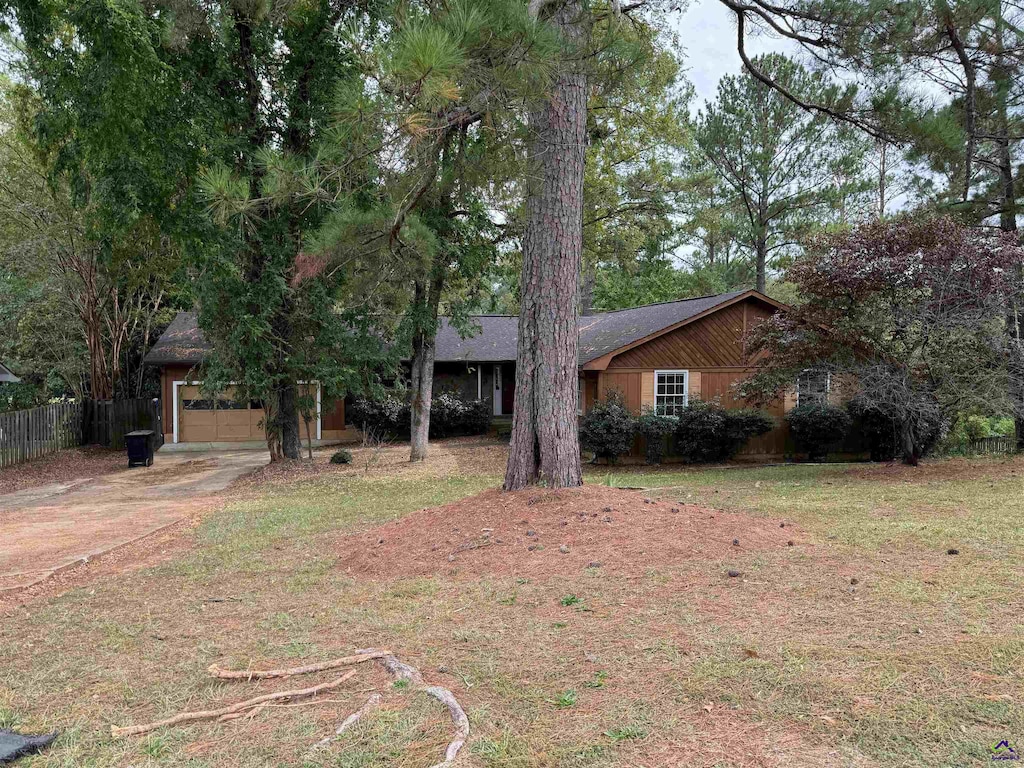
[(863, 644)]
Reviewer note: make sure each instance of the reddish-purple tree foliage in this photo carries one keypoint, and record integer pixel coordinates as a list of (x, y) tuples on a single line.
[(911, 312)]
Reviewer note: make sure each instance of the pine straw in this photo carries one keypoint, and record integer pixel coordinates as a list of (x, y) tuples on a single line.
[(452, 457), (527, 534)]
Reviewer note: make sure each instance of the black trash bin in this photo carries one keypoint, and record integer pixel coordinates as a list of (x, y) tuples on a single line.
[(140, 447)]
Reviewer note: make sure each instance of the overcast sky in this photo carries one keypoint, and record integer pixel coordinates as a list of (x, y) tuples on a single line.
[(707, 31)]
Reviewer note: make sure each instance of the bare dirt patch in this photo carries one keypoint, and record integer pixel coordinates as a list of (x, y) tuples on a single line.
[(167, 543), (61, 467), (542, 533)]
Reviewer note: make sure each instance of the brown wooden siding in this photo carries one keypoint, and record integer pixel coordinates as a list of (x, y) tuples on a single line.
[(712, 349), (628, 383), (168, 375), (720, 385), (333, 417), (591, 393), (713, 342)]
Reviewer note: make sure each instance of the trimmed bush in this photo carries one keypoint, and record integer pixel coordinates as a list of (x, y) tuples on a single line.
[(450, 414), (816, 427), (655, 428), (387, 416), (608, 428), (341, 457), (707, 432)]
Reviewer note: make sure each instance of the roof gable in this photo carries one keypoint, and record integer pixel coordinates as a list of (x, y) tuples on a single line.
[(644, 324), (182, 342)]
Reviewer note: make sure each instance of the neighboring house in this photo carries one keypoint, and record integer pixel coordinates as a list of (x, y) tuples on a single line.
[(658, 356), (7, 376)]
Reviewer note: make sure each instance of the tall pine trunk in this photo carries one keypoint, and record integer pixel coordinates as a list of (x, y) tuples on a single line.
[(1008, 223), (761, 265), (428, 300), (422, 393), (426, 305), (545, 443)]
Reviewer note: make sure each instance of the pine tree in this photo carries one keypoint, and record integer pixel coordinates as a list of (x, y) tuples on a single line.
[(788, 169)]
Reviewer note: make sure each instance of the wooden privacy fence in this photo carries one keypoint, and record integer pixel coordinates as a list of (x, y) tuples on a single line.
[(105, 422), (27, 435)]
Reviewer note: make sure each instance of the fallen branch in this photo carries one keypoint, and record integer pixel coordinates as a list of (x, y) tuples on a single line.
[(250, 714), (252, 674), (402, 671), (371, 704), (214, 714)]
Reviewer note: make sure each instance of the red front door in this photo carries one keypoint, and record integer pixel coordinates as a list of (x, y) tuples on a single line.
[(508, 388)]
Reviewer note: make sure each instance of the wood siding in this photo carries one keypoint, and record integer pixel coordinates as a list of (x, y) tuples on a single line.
[(628, 383), (712, 349), (712, 342), (720, 385)]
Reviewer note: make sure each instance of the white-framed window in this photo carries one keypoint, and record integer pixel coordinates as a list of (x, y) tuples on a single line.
[(579, 396), (671, 391), (812, 387)]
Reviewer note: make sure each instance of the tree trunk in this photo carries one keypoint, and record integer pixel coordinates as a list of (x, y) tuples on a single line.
[(427, 304), (908, 444), (288, 421), (970, 102), (422, 394), (587, 289), (762, 264), (545, 444), (882, 171), (1008, 223)]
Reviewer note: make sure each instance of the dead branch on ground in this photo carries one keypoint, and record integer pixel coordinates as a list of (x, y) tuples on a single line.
[(252, 674), (371, 704), (214, 714), (402, 671)]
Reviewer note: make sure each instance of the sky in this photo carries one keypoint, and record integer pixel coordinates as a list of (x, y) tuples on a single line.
[(707, 32)]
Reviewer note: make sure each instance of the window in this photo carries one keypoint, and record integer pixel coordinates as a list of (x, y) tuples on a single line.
[(579, 396), (671, 391), (812, 387)]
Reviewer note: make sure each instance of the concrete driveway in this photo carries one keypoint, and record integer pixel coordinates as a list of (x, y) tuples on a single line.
[(46, 529)]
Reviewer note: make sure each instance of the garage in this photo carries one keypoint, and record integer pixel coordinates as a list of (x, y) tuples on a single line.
[(200, 418)]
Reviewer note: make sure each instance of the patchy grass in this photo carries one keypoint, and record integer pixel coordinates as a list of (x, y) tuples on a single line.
[(865, 644)]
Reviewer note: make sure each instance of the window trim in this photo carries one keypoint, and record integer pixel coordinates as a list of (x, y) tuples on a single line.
[(828, 385), (676, 372)]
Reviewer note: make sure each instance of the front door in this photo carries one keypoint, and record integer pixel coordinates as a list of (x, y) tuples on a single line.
[(498, 392), (508, 393)]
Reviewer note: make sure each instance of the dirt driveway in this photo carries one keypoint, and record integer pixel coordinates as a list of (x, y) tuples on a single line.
[(46, 529)]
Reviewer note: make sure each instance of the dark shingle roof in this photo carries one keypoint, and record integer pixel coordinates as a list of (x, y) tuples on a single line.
[(494, 340), (182, 342), (7, 375), (494, 336)]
